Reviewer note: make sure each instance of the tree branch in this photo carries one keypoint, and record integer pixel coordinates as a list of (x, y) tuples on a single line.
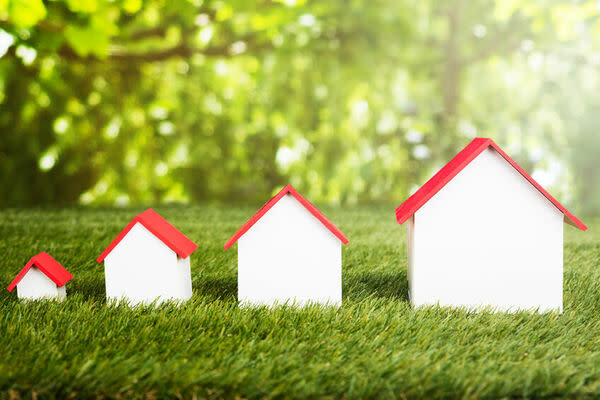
[(504, 40), (181, 50), (491, 48), (159, 31)]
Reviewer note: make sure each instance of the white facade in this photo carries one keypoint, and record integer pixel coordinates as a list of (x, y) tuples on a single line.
[(487, 239), (142, 269), (36, 285), (289, 257)]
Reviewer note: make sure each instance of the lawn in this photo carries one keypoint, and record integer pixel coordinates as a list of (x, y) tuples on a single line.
[(375, 345)]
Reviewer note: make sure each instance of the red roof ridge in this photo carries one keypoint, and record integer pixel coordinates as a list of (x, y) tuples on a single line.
[(267, 206), (160, 228), (457, 164), (48, 265)]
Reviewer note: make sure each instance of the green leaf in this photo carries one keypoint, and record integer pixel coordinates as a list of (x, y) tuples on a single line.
[(4, 9), (132, 6), (88, 40), (26, 13), (83, 6), (224, 13)]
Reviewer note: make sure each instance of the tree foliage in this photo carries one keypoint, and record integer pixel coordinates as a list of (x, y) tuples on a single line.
[(130, 101)]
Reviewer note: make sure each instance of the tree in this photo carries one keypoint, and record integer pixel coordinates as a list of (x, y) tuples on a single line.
[(132, 101)]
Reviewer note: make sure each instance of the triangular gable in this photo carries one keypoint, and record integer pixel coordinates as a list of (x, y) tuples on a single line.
[(48, 265), (263, 210), (457, 164), (160, 228)]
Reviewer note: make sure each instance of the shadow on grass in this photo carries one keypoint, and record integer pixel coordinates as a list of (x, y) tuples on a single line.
[(392, 285), (89, 290), (216, 287), (211, 287), (356, 286), (388, 285)]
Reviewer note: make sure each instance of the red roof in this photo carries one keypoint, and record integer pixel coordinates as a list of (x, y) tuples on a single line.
[(460, 161), (263, 210), (160, 228), (49, 266)]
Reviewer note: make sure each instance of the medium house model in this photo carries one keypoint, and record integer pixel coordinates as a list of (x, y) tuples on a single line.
[(289, 253), (148, 261), (42, 277), (483, 233)]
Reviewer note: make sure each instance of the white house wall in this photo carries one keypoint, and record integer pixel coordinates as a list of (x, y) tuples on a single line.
[(35, 284), (410, 252), (488, 238), (184, 277), (289, 256), (141, 269)]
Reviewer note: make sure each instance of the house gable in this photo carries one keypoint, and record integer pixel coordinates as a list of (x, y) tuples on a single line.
[(289, 219), (455, 166), (161, 229), (287, 190), (141, 244), (35, 284), (46, 264), (489, 185)]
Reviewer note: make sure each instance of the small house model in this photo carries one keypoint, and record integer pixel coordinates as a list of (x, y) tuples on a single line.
[(289, 253), (42, 278), (483, 234), (148, 261)]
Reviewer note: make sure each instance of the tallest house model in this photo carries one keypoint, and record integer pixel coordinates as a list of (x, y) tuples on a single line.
[(483, 233)]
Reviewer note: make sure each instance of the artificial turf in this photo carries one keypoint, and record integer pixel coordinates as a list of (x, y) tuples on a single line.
[(375, 345)]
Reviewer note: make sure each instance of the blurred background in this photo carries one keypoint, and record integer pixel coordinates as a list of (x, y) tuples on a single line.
[(128, 101)]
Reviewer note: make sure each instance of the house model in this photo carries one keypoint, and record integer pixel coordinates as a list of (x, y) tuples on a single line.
[(148, 261), (289, 253), (42, 277), (483, 233)]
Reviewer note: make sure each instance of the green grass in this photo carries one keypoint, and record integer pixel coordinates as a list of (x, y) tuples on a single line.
[(375, 345)]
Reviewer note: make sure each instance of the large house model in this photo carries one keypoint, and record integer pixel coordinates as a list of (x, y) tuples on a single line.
[(148, 261), (42, 278), (289, 253), (483, 234)]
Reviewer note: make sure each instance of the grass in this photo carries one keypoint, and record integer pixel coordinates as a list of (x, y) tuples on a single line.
[(375, 345)]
